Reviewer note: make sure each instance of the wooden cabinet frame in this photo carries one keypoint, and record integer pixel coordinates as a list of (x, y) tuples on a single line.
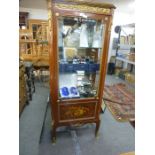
[(83, 110)]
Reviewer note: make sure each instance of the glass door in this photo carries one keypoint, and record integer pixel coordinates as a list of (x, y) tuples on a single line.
[(80, 43)]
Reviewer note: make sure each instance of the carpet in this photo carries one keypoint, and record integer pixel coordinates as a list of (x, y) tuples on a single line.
[(120, 101)]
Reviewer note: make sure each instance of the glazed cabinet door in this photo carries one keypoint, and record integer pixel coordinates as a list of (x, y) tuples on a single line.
[(80, 42)]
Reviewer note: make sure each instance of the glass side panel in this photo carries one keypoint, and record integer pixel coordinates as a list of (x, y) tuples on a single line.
[(80, 42)]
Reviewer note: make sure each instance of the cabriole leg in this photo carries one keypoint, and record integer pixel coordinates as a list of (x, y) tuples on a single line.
[(97, 128), (53, 133)]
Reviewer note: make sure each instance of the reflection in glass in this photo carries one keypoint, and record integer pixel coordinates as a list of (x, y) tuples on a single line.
[(80, 46)]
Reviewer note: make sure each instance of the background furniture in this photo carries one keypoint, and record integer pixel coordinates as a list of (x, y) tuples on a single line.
[(23, 16), (125, 43), (33, 44), (27, 45), (85, 27), (40, 30), (29, 72), (125, 52), (26, 84), (22, 88)]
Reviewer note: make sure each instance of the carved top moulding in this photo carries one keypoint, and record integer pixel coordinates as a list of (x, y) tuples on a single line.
[(84, 6)]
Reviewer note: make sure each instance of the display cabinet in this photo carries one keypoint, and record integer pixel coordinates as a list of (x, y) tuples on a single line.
[(39, 29), (79, 42)]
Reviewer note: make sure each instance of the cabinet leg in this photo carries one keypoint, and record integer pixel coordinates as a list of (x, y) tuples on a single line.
[(97, 128), (53, 133)]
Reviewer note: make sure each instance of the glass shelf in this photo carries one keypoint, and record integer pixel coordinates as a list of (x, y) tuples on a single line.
[(82, 47)]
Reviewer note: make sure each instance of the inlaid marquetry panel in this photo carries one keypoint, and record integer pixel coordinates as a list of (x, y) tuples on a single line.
[(77, 111)]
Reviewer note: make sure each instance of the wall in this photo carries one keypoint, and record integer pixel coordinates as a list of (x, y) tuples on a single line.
[(35, 13), (34, 4)]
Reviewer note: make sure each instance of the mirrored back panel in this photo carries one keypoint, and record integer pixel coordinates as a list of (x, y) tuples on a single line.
[(80, 42)]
